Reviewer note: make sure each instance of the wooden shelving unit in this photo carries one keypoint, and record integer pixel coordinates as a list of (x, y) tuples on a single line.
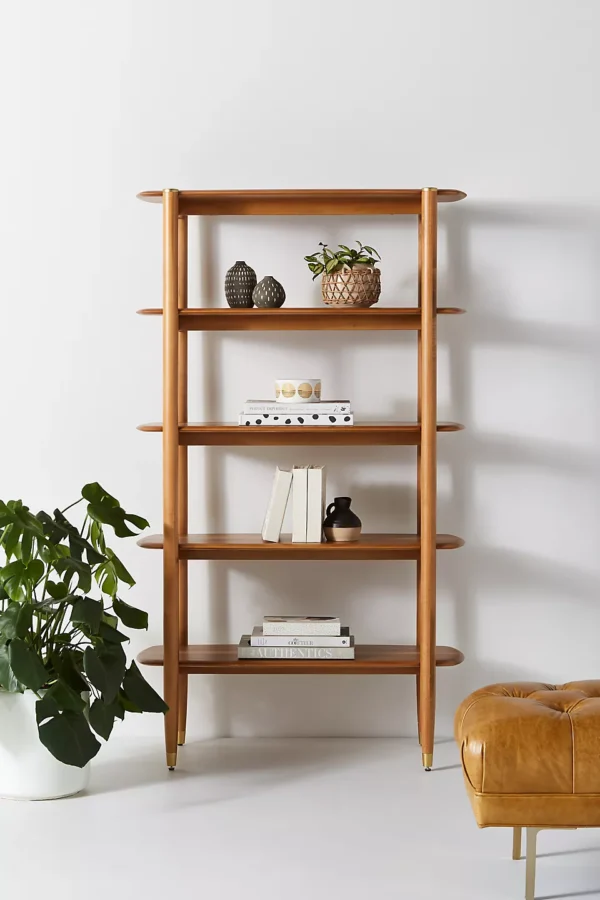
[(220, 434), (180, 659)]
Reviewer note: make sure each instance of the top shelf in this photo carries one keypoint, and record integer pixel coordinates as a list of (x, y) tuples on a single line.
[(301, 203)]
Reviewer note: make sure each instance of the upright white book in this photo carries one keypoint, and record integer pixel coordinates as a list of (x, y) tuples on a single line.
[(315, 510), (280, 493), (301, 625), (299, 504)]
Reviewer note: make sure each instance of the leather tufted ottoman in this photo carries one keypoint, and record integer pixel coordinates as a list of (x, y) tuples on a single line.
[(531, 758)]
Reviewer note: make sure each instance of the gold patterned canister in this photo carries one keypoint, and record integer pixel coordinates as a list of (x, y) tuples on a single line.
[(298, 390)]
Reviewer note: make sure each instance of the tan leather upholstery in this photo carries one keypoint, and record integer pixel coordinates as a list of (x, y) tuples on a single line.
[(531, 754)]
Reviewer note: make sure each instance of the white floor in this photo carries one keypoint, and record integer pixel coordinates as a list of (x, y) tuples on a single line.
[(299, 818)]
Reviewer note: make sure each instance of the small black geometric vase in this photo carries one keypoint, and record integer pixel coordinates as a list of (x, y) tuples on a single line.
[(240, 281), (341, 524), (268, 293)]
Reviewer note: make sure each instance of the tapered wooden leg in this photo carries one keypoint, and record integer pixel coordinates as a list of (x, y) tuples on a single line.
[(182, 406), (170, 473), (183, 642), (516, 852), (531, 858), (418, 676), (427, 500), (419, 419)]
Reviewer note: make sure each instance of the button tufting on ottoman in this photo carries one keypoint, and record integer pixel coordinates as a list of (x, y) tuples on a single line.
[(531, 753)]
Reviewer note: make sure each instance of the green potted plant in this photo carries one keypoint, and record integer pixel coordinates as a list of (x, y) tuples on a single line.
[(64, 677), (348, 277)]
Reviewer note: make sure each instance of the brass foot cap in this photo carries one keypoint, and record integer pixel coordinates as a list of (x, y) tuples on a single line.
[(427, 761), (171, 760), (180, 738)]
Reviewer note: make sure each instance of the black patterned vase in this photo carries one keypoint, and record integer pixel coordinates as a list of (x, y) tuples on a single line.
[(240, 281), (268, 293)]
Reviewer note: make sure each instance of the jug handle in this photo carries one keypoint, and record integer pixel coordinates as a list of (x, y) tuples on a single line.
[(330, 508)]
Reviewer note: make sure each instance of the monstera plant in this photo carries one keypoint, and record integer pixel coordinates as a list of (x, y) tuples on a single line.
[(61, 617)]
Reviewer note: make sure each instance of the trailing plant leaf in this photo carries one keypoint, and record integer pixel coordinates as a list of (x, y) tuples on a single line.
[(26, 547), (128, 705), (89, 612), (16, 620), (35, 571), (120, 571), (129, 615), (46, 708), (8, 682), (68, 666), (69, 739), (141, 693), (102, 717), (57, 589), (10, 539), (111, 635), (26, 665), (105, 670), (12, 577), (65, 697)]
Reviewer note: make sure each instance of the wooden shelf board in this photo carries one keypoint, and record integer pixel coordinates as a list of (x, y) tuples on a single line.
[(252, 547), (219, 434), (301, 202), (391, 318), (371, 659)]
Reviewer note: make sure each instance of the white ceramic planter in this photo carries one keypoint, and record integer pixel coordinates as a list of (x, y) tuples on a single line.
[(27, 770)]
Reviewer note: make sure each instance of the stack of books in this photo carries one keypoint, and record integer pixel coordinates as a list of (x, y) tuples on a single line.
[(268, 412), (306, 485), (298, 637)]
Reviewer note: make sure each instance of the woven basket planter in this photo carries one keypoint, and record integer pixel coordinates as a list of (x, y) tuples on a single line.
[(359, 286)]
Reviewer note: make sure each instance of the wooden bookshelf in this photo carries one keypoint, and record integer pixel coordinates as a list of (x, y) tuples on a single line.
[(301, 319), (252, 546), (222, 434), (177, 656), (301, 203), (371, 659)]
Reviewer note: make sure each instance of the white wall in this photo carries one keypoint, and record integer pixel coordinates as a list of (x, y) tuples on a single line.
[(496, 98)]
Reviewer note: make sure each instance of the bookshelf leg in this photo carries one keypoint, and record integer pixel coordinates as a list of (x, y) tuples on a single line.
[(418, 676), (170, 471), (182, 712), (182, 462), (427, 472), (418, 681), (183, 642)]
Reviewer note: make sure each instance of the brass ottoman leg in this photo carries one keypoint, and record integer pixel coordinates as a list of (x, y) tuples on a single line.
[(532, 834), (517, 843)]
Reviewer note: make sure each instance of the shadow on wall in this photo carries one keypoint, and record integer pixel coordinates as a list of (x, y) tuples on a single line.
[(543, 560), (504, 572)]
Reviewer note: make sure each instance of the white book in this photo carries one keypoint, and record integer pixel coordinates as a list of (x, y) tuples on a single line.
[(323, 406), (247, 651), (259, 639), (280, 493), (315, 512), (302, 625), (299, 504), (284, 419)]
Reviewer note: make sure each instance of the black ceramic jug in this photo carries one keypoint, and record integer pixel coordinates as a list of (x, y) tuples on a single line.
[(341, 524)]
